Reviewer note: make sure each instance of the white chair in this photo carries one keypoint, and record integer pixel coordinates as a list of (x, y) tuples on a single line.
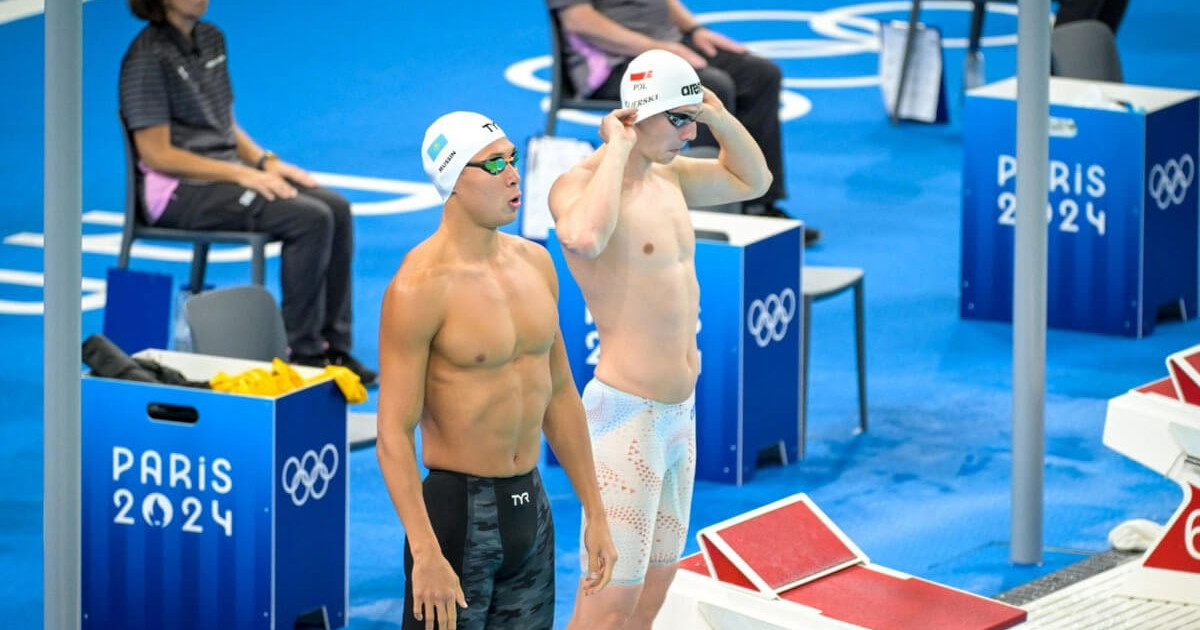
[(819, 283)]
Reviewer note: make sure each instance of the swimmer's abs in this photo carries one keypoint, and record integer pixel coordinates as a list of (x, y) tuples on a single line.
[(482, 449)]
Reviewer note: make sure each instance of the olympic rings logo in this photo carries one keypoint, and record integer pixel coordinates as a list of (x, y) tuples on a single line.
[(1170, 182), (309, 475), (767, 320)]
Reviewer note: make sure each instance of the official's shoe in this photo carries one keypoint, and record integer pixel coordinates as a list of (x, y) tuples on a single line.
[(309, 360), (811, 235), (369, 377)]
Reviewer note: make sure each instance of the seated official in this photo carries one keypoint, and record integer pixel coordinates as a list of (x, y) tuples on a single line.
[(201, 171)]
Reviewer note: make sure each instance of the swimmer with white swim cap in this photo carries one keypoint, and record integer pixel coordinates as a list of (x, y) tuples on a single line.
[(470, 350), (622, 218)]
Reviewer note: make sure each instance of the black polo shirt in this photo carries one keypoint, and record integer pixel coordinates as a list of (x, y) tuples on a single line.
[(167, 80)]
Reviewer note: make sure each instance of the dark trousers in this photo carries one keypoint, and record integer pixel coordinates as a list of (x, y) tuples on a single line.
[(1108, 11), (748, 85), (318, 242)]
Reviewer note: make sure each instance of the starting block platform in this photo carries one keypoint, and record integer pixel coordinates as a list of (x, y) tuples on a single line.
[(786, 566), (1097, 603), (1158, 426)]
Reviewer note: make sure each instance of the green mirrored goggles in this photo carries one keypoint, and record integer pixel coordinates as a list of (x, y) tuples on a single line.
[(496, 165)]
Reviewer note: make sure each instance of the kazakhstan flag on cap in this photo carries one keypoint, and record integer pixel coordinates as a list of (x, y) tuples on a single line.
[(436, 147)]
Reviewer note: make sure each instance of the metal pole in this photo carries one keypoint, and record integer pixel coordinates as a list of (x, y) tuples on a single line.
[(63, 200), (1029, 279)]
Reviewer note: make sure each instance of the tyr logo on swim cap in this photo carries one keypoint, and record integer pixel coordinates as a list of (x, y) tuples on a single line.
[(449, 144), (656, 81)]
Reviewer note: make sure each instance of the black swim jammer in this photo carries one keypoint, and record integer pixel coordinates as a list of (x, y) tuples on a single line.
[(498, 535)]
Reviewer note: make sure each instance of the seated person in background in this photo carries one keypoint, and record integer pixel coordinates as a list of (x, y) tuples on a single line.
[(203, 172), (604, 35)]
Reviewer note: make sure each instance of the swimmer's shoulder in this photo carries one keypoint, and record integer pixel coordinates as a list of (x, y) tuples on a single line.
[(423, 273), (532, 254), (527, 250)]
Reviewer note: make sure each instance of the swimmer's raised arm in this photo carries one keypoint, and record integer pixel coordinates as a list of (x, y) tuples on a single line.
[(586, 200), (740, 171)]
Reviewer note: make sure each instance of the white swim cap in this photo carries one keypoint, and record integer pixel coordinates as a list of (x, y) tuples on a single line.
[(656, 81), (450, 142)]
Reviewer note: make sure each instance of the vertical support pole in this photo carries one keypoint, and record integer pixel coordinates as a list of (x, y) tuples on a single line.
[(62, 322), (1029, 280)]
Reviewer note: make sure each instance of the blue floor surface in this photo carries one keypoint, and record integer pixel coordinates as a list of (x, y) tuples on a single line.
[(349, 88)]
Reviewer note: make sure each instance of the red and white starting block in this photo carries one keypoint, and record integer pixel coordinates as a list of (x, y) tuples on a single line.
[(786, 566), (1158, 425)]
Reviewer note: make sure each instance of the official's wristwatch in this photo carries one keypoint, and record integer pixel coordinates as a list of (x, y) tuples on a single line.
[(267, 156)]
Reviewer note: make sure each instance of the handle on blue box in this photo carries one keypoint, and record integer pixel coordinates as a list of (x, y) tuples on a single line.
[(165, 412)]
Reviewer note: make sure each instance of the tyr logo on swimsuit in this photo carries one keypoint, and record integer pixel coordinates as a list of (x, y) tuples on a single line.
[(520, 499)]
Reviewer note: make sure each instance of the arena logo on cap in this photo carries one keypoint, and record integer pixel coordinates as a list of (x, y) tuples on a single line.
[(436, 146), (689, 90)]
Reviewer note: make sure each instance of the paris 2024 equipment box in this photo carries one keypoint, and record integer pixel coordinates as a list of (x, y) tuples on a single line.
[(204, 509), (1121, 216)]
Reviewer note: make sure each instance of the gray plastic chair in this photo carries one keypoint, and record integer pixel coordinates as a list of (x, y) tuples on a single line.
[(241, 322), (819, 283), (1085, 49)]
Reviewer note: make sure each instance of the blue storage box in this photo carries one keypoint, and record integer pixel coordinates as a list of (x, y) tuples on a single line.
[(204, 509), (1122, 207)]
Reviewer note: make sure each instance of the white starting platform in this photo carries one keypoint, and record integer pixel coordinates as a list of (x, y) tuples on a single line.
[(786, 566), (1097, 603), (1158, 426)]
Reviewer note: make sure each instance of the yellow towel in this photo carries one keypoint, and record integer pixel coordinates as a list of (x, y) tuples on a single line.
[(282, 378)]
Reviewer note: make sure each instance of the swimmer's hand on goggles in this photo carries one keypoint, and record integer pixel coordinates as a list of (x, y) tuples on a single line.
[(618, 126)]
